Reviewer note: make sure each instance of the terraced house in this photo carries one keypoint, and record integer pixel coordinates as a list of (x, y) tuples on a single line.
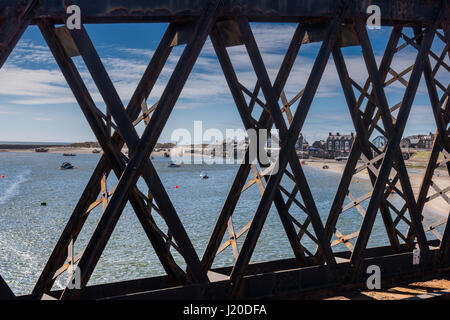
[(420, 141), (339, 145)]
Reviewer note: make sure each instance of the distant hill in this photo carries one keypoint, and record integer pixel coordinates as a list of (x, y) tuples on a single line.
[(84, 145), (166, 145), (97, 145), (26, 146)]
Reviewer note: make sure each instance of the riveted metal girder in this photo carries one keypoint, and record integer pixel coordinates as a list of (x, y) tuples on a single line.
[(333, 25), (117, 11)]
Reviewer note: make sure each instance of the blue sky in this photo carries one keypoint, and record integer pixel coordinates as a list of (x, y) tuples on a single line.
[(37, 105)]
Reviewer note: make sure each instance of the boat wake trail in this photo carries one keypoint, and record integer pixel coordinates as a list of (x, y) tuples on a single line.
[(13, 188)]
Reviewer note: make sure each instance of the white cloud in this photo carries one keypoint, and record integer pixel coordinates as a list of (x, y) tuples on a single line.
[(23, 84)]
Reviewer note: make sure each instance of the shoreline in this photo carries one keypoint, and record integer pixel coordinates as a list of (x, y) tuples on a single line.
[(65, 149), (436, 206)]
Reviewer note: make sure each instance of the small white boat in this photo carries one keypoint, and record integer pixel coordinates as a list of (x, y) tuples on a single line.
[(204, 175)]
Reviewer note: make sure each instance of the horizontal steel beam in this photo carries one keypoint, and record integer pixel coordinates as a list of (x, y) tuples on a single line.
[(309, 282), (117, 11), (301, 283), (283, 276)]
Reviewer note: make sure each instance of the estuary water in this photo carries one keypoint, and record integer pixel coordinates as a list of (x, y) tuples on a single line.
[(29, 231)]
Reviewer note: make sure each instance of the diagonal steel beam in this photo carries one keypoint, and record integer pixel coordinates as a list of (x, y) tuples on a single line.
[(355, 152), (87, 105), (363, 137), (241, 104), (146, 144), (354, 155), (5, 291), (441, 139), (128, 132), (275, 112), (299, 118), (444, 247), (14, 25), (244, 168), (402, 170), (445, 242), (78, 217), (392, 148), (386, 117), (436, 105)]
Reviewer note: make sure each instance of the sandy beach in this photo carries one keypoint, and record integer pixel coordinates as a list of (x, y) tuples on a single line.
[(438, 206)]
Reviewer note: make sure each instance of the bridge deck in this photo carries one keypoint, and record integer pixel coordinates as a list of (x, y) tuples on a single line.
[(118, 11)]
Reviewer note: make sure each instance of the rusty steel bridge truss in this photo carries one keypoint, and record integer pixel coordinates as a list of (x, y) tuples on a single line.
[(334, 24)]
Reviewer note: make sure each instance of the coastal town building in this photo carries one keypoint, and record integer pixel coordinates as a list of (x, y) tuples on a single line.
[(301, 143), (410, 142), (339, 145), (319, 144), (426, 142), (419, 141), (380, 142)]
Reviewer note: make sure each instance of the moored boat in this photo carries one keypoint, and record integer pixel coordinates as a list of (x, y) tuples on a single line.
[(173, 165), (66, 166)]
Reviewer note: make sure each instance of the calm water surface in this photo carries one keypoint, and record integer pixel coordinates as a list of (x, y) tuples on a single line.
[(29, 231)]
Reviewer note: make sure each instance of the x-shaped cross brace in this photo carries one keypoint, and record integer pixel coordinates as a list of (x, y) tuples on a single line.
[(143, 149), (288, 139)]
